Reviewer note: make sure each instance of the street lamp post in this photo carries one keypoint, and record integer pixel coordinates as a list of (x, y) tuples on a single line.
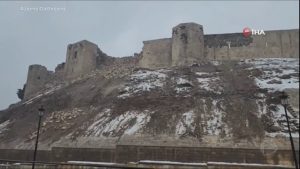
[(41, 113), (285, 102)]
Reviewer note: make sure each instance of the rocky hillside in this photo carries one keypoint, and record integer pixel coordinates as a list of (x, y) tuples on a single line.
[(220, 104)]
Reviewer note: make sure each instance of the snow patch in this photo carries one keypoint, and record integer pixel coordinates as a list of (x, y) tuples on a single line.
[(171, 163), (279, 120), (186, 123), (182, 85), (128, 123), (277, 73), (143, 81), (44, 93), (210, 84), (3, 126), (214, 120)]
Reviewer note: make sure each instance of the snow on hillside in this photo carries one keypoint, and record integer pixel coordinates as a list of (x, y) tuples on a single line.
[(186, 123), (106, 124), (143, 80), (209, 82), (183, 102), (3, 126), (278, 73)]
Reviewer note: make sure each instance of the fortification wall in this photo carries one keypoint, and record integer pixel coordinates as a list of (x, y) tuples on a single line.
[(38, 76), (81, 59), (156, 53), (187, 44), (280, 43)]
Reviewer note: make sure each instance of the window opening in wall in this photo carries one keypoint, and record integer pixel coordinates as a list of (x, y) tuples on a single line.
[(75, 55)]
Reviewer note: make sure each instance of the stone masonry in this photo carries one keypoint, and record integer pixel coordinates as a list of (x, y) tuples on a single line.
[(81, 59), (188, 45), (38, 76)]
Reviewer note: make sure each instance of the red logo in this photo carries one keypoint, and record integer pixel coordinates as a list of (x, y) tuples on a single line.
[(247, 32)]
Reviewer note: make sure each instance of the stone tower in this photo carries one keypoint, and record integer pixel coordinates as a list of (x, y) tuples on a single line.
[(187, 44), (81, 59), (37, 78)]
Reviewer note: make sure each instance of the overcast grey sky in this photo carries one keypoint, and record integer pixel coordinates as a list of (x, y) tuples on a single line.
[(41, 37)]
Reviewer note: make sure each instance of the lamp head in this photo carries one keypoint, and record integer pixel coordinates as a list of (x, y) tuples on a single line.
[(41, 111), (284, 98)]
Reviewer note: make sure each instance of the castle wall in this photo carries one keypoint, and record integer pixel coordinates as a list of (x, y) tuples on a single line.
[(281, 43), (81, 59), (38, 76), (156, 53), (187, 44)]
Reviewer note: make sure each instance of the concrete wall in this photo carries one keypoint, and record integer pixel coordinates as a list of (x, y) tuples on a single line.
[(60, 154), (127, 153), (134, 153), (187, 44), (156, 53), (81, 59), (38, 76)]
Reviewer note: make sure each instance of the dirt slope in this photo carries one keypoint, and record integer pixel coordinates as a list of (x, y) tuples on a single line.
[(229, 104)]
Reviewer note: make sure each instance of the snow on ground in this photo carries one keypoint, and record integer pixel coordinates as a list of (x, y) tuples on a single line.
[(92, 163), (44, 93), (130, 122), (186, 123), (216, 62), (261, 105), (211, 121), (214, 122), (171, 163), (279, 120), (246, 164), (278, 73), (182, 85), (144, 80), (3, 126), (262, 63), (209, 82)]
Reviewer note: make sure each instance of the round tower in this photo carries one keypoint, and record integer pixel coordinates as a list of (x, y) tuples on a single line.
[(187, 44)]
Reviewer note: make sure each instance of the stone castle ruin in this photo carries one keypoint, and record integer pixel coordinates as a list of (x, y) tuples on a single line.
[(187, 46)]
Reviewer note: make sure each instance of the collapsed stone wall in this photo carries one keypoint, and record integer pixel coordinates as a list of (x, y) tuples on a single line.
[(157, 53), (82, 58), (38, 76)]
